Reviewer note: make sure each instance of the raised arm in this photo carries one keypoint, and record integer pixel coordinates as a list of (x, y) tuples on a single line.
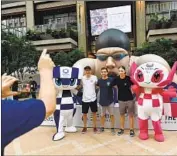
[(47, 92)]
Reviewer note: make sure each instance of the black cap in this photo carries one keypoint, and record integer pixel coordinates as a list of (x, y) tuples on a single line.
[(87, 68), (113, 38)]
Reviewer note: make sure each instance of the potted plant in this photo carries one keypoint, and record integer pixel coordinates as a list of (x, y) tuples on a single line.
[(166, 23), (173, 18), (47, 35), (48, 31), (55, 34), (158, 24), (33, 35), (154, 22), (74, 34), (37, 35), (63, 33), (29, 35)]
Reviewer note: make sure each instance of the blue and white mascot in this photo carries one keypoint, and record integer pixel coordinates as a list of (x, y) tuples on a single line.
[(66, 79)]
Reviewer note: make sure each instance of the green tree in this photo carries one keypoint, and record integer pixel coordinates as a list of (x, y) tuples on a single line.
[(18, 55), (162, 47), (67, 59)]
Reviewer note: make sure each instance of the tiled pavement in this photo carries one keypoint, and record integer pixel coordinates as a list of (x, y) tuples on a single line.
[(39, 142)]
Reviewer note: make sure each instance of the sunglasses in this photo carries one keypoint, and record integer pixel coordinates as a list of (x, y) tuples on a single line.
[(104, 57)]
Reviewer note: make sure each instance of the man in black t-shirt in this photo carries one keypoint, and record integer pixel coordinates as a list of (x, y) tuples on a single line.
[(106, 100), (125, 99), (33, 87)]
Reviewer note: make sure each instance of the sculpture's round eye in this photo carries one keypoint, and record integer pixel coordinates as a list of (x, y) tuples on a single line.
[(72, 82), (58, 81), (139, 76), (157, 76)]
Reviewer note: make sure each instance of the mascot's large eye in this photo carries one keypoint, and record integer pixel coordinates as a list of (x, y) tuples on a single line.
[(139, 76), (157, 76), (58, 81), (72, 82)]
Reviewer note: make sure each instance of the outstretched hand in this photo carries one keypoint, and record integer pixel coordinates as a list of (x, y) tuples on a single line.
[(7, 82)]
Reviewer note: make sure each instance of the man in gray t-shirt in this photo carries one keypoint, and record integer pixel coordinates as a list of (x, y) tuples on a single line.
[(106, 98)]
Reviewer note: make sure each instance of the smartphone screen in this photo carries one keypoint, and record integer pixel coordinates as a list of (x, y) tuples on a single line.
[(21, 87)]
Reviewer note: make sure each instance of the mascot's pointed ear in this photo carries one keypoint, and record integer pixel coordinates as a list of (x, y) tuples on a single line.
[(170, 76), (132, 69), (173, 71), (132, 72)]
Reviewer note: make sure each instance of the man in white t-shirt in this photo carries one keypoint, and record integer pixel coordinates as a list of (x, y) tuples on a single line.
[(89, 82)]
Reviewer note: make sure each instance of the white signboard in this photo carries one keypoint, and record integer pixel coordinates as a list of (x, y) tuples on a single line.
[(168, 123), (116, 17), (120, 18)]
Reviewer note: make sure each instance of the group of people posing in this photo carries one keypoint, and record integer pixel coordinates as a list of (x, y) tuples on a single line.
[(107, 84)]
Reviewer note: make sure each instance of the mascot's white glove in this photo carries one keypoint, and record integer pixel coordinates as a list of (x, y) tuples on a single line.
[(116, 105), (98, 105)]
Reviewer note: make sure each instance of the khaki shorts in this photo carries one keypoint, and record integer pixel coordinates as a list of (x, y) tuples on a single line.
[(109, 108), (127, 105)]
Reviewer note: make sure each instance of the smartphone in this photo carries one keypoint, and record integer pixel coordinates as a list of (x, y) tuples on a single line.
[(23, 87)]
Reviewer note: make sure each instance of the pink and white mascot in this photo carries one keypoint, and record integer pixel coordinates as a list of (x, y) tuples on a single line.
[(150, 74)]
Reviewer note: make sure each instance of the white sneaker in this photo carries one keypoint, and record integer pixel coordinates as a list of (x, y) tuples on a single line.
[(71, 129), (58, 136)]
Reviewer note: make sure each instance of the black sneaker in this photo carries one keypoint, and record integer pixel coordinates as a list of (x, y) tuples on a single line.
[(101, 129), (113, 131), (132, 133), (120, 132)]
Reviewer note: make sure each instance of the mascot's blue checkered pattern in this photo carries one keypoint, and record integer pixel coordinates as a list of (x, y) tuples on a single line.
[(66, 79)]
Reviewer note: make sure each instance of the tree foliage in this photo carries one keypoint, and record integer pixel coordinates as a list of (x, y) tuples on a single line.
[(17, 55), (162, 47), (67, 59)]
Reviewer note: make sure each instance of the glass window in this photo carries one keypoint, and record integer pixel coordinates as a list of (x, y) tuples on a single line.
[(23, 21)]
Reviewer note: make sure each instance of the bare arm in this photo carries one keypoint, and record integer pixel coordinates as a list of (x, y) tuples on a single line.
[(78, 87), (47, 92)]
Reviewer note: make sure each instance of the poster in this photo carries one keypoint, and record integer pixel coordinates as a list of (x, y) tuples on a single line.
[(116, 17)]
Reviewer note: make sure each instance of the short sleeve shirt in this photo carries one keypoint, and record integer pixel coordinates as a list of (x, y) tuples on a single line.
[(124, 88), (106, 91), (19, 117), (89, 90)]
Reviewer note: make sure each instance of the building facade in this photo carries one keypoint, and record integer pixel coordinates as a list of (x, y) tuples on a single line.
[(48, 17)]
